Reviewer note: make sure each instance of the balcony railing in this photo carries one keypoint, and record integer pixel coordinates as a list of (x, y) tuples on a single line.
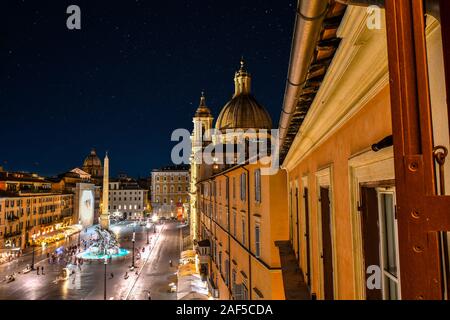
[(12, 234)]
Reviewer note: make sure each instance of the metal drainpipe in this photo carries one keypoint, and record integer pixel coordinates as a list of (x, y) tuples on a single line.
[(308, 24), (249, 236), (310, 16)]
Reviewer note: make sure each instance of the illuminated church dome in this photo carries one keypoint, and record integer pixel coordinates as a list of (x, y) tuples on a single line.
[(243, 111), (93, 165)]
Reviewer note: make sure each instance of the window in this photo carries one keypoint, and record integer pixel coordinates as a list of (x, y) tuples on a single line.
[(234, 223), (243, 186), (258, 185), (234, 188), (227, 272), (257, 241), (233, 279), (389, 253), (243, 231), (227, 187)]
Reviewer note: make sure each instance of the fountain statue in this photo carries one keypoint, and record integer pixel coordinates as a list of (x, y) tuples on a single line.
[(105, 245)]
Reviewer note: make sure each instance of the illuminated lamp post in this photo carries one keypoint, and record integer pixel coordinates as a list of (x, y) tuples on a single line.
[(154, 219), (104, 291), (133, 240)]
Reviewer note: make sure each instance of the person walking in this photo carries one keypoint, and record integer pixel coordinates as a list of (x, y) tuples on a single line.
[(42, 270)]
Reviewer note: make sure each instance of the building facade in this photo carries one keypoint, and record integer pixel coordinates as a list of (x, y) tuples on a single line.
[(203, 121), (127, 199), (241, 213), (30, 212), (170, 192), (356, 212)]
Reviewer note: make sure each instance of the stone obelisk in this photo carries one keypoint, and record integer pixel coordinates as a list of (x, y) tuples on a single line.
[(104, 216)]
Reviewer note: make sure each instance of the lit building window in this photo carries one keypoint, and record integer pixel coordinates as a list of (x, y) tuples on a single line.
[(257, 241), (258, 185)]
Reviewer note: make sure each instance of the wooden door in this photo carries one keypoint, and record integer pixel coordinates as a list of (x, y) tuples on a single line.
[(371, 236), (327, 245), (307, 237)]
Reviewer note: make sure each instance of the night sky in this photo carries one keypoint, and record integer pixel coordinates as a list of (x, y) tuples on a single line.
[(130, 76)]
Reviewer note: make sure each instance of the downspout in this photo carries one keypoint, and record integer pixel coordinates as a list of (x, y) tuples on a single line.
[(310, 16), (250, 289)]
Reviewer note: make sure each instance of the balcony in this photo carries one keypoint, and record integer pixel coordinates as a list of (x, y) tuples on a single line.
[(66, 212), (12, 218), (295, 287), (203, 249), (13, 234)]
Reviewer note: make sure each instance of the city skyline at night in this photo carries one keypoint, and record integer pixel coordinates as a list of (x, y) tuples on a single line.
[(130, 76)]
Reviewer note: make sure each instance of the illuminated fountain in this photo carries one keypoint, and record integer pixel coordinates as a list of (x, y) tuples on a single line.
[(105, 244)]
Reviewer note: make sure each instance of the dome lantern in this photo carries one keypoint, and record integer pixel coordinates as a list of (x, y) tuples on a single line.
[(242, 81)]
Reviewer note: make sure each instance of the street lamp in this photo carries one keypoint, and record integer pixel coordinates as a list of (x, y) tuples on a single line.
[(133, 240), (104, 292), (147, 227), (32, 258)]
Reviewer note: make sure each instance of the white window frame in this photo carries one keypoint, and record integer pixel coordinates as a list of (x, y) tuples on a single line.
[(258, 245), (324, 179), (381, 221), (365, 167)]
